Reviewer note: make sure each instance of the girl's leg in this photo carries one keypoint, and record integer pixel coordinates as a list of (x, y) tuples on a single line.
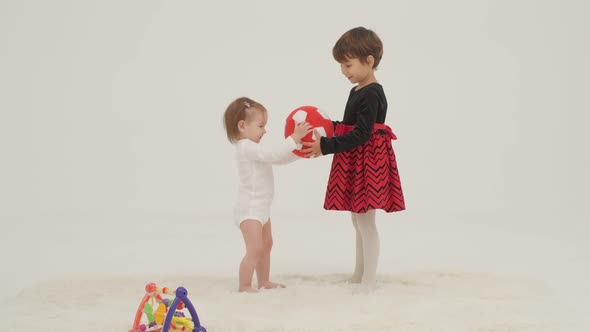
[(263, 267), (252, 233), (370, 238), (359, 262)]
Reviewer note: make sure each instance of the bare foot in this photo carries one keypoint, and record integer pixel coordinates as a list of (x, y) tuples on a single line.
[(355, 279), (248, 289), (270, 285), (364, 288)]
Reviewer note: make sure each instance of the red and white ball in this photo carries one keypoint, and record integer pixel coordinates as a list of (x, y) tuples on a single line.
[(319, 120)]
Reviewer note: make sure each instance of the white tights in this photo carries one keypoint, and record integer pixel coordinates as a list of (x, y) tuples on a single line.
[(367, 248)]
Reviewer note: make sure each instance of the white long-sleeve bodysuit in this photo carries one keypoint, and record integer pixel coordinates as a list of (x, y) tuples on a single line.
[(256, 189)]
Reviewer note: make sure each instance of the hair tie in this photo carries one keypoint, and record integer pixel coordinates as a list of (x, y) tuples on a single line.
[(247, 104)]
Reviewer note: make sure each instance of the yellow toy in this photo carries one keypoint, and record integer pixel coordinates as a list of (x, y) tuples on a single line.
[(168, 316)]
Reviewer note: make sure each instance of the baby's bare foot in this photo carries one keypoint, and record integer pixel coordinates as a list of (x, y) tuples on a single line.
[(247, 290), (270, 285)]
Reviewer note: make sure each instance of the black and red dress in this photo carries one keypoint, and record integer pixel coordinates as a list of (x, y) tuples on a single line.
[(364, 172)]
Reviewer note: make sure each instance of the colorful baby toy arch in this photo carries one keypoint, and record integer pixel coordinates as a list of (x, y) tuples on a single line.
[(167, 317)]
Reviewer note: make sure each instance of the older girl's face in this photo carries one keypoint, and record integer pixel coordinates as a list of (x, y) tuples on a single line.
[(356, 71)]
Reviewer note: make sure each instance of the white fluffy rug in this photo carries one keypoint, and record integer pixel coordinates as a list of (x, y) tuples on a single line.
[(421, 301)]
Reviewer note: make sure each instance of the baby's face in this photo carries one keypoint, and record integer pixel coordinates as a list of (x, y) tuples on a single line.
[(254, 128)]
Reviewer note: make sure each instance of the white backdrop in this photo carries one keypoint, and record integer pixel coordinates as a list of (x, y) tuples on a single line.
[(114, 107)]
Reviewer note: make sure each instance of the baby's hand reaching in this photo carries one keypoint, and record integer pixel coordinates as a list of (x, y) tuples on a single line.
[(301, 129)]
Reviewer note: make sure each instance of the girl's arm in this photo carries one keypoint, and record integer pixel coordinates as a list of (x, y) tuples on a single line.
[(367, 116), (267, 152), (276, 153), (288, 159)]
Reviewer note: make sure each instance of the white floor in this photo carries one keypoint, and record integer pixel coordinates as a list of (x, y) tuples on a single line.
[(438, 272)]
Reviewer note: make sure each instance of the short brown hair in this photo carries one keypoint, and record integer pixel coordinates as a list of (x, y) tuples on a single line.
[(358, 43), (240, 109)]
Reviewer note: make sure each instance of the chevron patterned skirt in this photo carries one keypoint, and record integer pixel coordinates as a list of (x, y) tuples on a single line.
[(365, 177)]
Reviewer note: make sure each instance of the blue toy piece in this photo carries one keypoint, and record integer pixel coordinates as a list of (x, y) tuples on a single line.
[(182, 296)]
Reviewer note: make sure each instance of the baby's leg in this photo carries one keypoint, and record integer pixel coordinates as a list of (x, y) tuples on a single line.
[(252, 233), (370, 238), (359, 262), (263, 267)]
